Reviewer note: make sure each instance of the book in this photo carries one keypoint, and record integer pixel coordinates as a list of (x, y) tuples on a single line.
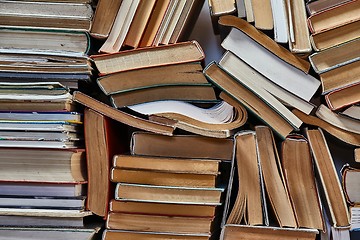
[(52, 42), (41, 116), (174, 74), (235, 66), (300, 181), (354, 218), (189, 93), (271, 66), (352, 112), (219, 8), (350, 177), (335, 57), (148, 57), (167, 164), (249, 10), (154, 208), (330, 38), (43, 165), (232, 232), (322, 5), (182, 146), (299, 41), (43, 15), (263, 14), (338, 120), (120, 27), (168, 194), (44, 233), (343, 135), (328, 178), (121, 116), (162, 178), (43, 189), (248, 206), (138, 235), (66, 105), (43, 202), (251, 101), (340, 77), (333, 17), (280, 19), (240, 6), (246, 76), (103, 139), (104, 17), (343, 97), (165, 224), (357, 154)]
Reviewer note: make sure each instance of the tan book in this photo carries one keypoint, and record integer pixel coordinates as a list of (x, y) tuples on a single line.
[(183, 146), (137, 235), (262, 14), (340, 77), (357, 154), (104, 17), (329, 179), (152, 223), (167, 164), (139, 23), (334, 17), (343, 135), (254, 104), (149, 57), (321, 5), (300, 181), (336, 36), (162, 178), (248, 206), (101, 144), (221, 7), (240, 232), (343, 97), (171, 209), (168, 194), (191, 93), (350, 179), (36, 106)]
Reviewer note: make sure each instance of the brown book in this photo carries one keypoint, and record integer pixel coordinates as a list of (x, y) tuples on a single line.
[(248, 206), (343, 97), (274, 180), (168, 194), (121, 116), (104, 17), (329, 179), (174, 74), (357, 154), (167, 164), (152, 223), (300, 180), (38, 106), (336, 36), (139, 23), (137, 235), (239, 232), (162, 178), (183, 146), (252, 102), (149, 57), (340, 77), (103, 139), (169, 209), (263, 14), (192, 93), (336, 16), (350, 184)]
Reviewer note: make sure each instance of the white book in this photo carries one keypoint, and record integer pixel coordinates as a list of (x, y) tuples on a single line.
[(269, 65), (249, 11), (240, 5), (280, 21)]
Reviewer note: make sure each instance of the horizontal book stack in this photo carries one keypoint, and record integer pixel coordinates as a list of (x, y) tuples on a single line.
[(171, 190), (128, 24)]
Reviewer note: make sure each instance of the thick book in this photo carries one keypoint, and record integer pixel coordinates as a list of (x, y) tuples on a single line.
[(251, 101), (343, 97), (183, 146), (352, 112), (300, 181), (329, 180), (43, 165), (174, 74), (103, 139), (333, 17), (237, 232), (281, 22), (149, 57), (44, 15), (165, 224), (170, 209), (219, 8), (322, 5), (104, 17), (263, 16), (350, 178), (140, 235)]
